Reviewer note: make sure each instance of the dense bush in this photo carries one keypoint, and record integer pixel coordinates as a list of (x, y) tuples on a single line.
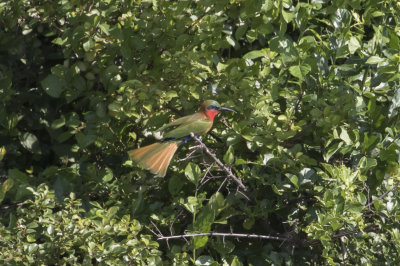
[(315, 140)]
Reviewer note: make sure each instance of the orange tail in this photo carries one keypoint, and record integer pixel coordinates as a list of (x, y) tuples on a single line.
[(155, 157)]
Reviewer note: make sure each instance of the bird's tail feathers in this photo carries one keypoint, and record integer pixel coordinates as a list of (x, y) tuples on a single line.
[(155, 157)]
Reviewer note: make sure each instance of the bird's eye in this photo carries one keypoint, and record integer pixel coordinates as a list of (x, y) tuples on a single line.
[(212, 107)]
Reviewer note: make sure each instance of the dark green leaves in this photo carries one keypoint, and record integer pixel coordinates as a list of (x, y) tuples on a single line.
[(341, 18), (53, 85), (206, 217), (315, 140)]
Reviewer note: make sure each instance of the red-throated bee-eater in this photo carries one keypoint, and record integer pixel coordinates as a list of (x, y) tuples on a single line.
[(157, 156)]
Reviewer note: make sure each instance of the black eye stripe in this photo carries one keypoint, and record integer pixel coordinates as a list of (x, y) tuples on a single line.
[(212, 107)]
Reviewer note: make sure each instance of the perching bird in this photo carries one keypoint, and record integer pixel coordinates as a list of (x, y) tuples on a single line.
[(157, 156)]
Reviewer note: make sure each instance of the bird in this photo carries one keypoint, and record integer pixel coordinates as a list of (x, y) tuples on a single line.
[(156, 157)]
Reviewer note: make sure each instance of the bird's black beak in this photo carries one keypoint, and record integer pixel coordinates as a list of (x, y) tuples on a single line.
[(227, 109)]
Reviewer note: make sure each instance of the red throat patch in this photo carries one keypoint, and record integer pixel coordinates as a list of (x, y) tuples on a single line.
[(211, 114)]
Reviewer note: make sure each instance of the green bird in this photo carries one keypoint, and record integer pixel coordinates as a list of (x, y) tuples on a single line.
[(157, 156)]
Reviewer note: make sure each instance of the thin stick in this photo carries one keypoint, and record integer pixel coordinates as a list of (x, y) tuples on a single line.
[(226, 169), (384, 194), (224, 235), (223, 182), (188, 156)]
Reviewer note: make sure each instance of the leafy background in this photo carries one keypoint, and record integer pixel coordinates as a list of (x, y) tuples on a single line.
[(315, 140)]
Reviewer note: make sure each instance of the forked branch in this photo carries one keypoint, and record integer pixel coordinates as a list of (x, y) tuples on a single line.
[(225, 168)]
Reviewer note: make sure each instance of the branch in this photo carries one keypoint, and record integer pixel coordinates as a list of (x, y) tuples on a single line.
[(296, 106), (161, 237), (12, 206), (226, 169), (384, 194)]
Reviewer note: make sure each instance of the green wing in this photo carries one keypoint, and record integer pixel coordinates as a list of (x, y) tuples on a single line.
[(198, 127), (181, 121)]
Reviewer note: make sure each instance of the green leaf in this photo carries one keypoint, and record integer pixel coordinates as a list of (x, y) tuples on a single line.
[(50, 229), (85, 140), (361, 198), (175, 185), (248, 223), (251, 35), (205, 260), (369, 141), (17, 175), (288, 16), (230, 40), (31, 238), (112, 211), (300, 72), (255, 54), (236, 262), (241, 30), (6, 186), (53, 85), (395, 102), (222, 247), (217, 203), (58, 123), (332, 150), (276, 190), (375, 60), (88, 45), (341, 18), (345, 136), (108, 175), (193, 173), (30, 142), (367, 163), (295, 180), (105, 28), (199, 242), (2, 152), (191, 204), (354, 45), (204, 220), (229, 156)]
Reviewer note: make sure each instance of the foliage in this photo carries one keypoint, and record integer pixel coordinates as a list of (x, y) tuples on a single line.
[(315, 141), (45, 231)]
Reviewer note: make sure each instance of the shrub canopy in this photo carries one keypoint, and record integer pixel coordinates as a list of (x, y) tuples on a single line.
[(315, 140)]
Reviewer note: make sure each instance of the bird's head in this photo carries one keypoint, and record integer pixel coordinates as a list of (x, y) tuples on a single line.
[(211, 108)]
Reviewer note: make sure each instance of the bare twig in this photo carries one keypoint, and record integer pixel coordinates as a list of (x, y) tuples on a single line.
[(12, 206), (161, 237), (384, 194), (171, 230), (344, 249), (194, 147), (244, 195), (296, 106), (223, 182), (364, 78), (226, 169), (156, 227), (223, 121), (188, 156), (202, 181), (112, 131)]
